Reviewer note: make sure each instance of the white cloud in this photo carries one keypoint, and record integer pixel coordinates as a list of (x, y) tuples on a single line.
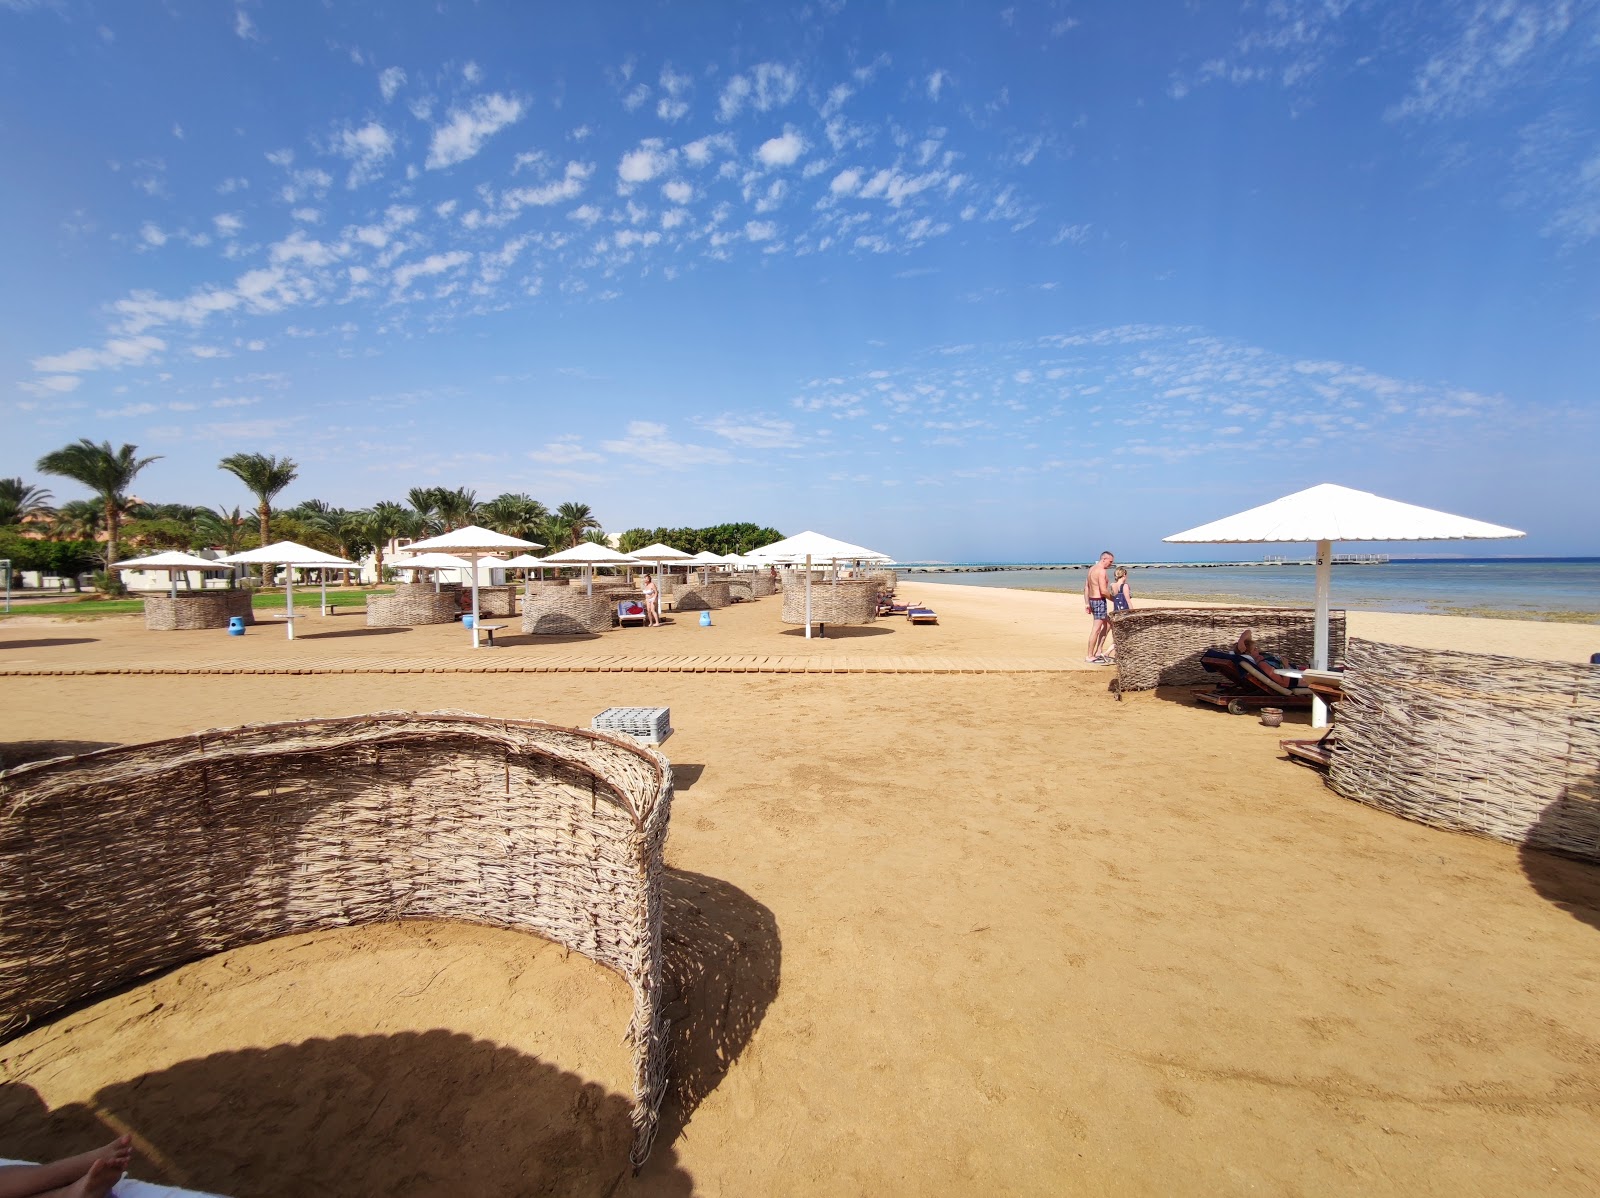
[(227, 224), (782, 151), (244, 27), (643, 164), (754, 431), (152, 235), (702, 151), (434, 264), (845, 182), (935, 83), (565, 450), (568, 187), (469, 128), (678, 191), (760, 230), (649, 442), (390, 81), (585, 215), (366, 148), (52, 384), (472, 73), (767, 86), (118, 351), (673, 106)]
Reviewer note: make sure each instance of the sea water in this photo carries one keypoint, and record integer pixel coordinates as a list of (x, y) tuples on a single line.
[(1520, 586)]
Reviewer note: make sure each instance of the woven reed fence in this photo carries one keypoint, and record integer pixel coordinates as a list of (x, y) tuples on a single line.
[(699, 596), (1161, 646), (847, 601), (567, 611), (885, 580), (123, 862), (493, 601), (750, 586), (1501, 747), (413, 605), (203, 609)]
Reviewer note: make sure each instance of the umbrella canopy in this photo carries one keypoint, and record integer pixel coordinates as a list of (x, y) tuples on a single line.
[(473, 542), (173, 563), (288, 553), (171, 560), (818, 548), (659, 553), (523, 561), (432, 561), (1327, 513), (588, 554)]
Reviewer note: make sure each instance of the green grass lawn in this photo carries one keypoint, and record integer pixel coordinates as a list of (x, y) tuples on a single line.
[(303, 597)]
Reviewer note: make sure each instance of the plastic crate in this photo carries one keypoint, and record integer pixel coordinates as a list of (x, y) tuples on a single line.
[(648, 725)]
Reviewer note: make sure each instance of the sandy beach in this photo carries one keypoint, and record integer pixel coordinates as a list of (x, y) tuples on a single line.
[(939, 932)]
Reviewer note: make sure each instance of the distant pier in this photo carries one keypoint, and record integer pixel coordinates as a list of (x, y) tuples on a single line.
[(1339, 559)]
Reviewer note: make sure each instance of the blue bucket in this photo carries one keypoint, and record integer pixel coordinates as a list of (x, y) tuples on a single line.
[(705, 619), (235, 625), (466, 621)]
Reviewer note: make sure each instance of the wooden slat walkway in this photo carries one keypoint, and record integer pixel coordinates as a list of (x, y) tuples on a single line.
[(500, 662)]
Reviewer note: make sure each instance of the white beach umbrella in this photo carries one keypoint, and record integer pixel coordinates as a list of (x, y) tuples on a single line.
[(814, 547), (289, 555), (432, 561), (589, 555), (473, 543), (173, 563), (661, 555), (1327, 513)]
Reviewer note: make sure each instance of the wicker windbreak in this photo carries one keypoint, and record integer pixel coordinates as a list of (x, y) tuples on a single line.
[(845, 601), (493, 601), (202, 609), (695, 595), (1161, 646), (750, 586), (1498, 746), (564, 611), (413, 605), (119, 863)]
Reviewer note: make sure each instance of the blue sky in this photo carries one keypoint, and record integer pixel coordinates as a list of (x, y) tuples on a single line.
[(955, 281)]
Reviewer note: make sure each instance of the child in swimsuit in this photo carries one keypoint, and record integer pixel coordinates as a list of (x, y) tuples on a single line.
[(1122, 596)]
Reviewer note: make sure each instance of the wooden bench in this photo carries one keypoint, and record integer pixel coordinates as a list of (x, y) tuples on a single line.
[(491, 629)]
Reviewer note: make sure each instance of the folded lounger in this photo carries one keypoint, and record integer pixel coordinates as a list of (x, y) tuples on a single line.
[(922, 615)]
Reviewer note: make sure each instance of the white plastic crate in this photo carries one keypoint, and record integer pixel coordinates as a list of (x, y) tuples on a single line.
[(648, 725)]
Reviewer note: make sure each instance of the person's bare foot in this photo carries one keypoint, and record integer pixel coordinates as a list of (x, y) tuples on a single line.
[(102, 1175)]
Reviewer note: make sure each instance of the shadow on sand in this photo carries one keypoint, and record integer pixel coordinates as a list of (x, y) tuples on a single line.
[(21, 752), (1553, 858), (436, 1112), (343, 632), (841, 632), (50, 642)]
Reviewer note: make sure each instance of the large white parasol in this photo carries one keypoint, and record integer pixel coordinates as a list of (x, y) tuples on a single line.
[(174, 563), (472, 543), (434, 562), (289, 555), (589, 555), (661, 555), (1327, 513), (811, 547)]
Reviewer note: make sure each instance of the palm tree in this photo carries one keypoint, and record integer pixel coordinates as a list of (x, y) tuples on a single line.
[(19, 502), (105, 471), (596, 536), (78, 520), (220, 528), (574, 519), (456, 508), (386, 520), (515, 515), (263, 476)]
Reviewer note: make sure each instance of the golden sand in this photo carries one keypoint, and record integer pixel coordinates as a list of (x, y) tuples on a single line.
[(963, 933)]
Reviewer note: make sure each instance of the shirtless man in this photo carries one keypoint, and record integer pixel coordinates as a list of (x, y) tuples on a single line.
[(1097, 591)]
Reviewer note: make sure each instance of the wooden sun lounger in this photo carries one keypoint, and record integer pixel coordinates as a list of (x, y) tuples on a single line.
[(1240, 702), (1318, 752), (922, 615)]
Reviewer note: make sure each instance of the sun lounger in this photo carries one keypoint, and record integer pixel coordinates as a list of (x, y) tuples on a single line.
[(129, 1188), (922, 615), (630, 611), (1251, 683)]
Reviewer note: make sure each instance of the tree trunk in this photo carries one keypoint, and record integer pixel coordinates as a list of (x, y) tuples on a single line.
[(265, 512), (113, 526)]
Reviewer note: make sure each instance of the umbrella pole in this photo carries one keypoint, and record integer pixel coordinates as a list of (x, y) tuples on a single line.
[(288, 624), (1319, 652), (324, 593), (474, 560), (808, 596), (588, 581), (172, 577)]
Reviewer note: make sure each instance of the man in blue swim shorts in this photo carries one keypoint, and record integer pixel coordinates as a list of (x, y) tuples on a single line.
[(1097, 602)]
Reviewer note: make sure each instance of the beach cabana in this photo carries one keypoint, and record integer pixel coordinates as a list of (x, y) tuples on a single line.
[(473, 543), (812, 547), (1327, 513), (289, 555)]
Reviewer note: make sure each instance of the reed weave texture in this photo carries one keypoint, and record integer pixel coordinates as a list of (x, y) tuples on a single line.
[(845, 601), (699, 596), (1500, 747), (1161, 646), (123, 862), (492, 601), (417, 605), (565, 611), (750, 586), (202, 609), (886, 580)]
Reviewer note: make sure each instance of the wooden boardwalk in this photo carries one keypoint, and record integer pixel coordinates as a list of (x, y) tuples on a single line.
[(498, 661)]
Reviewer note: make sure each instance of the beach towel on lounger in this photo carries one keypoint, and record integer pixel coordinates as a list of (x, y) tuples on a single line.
[(129, 1188), (1258, 672)]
